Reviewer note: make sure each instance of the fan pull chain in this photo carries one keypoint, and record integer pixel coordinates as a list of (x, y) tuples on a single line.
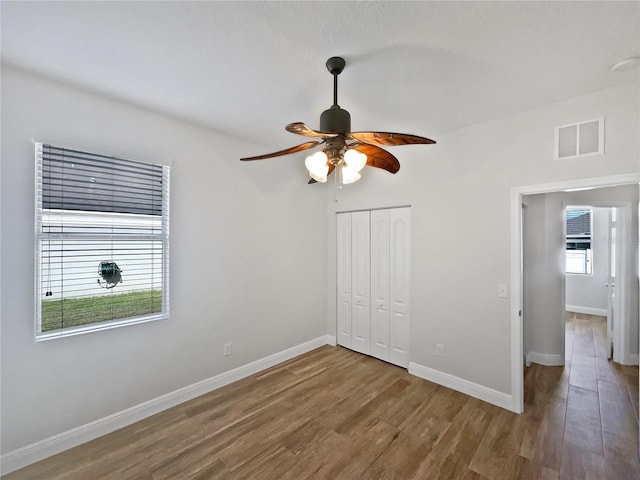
[(337, 185)]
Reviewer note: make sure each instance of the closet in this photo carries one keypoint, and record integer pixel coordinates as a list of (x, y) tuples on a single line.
[(373, 257)]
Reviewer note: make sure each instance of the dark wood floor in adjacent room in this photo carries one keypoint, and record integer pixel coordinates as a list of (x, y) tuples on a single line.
[(333, 413)]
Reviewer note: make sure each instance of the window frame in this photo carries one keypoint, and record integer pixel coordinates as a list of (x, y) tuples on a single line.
[(40, 237), (590, 261)]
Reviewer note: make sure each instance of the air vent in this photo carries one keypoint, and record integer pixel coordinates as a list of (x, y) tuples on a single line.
[(580, 139)]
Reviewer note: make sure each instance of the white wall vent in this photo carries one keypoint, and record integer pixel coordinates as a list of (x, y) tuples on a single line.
[(580, 139)]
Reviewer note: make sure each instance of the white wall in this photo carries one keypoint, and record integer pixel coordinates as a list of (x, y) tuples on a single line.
[(247, 262), (587, 293), (543, 281), (459, 191)]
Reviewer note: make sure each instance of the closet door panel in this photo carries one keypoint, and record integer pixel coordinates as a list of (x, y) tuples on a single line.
[(399, 266), (380, 284), (344, 279), (360, 283)]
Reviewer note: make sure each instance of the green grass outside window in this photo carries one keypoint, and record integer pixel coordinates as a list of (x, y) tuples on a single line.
[(57, 314)]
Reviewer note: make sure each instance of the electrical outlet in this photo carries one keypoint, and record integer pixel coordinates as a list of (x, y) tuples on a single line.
[(440, 350), (227, 349)]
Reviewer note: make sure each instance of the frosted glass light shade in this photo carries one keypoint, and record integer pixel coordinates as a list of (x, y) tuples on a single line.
[(317, 166), (349, 175), (355, 160)]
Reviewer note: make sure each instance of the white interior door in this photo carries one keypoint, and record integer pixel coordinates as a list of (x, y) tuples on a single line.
[(360, 283), (611, 283), (399, 275), (380, 284), (344, 279)]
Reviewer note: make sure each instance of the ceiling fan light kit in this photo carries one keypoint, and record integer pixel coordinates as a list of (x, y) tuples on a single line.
[(317, 166), (355, 160), (348, 151)]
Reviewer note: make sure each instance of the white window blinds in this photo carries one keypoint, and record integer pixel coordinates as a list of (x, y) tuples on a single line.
[(102, 239)]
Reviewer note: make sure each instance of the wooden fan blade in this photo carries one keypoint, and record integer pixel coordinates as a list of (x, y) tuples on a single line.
[(389, 139), (377, 157), (300, 128), (331, 168), (297, 148)]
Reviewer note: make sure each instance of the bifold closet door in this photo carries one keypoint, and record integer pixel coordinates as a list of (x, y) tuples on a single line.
[(373, 261), (360, 283), (380, 284), (399, 276)]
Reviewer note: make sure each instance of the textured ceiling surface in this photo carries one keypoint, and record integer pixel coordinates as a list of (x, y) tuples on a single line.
[(249, 68)]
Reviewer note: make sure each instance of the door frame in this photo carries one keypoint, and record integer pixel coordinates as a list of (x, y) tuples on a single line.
[(517, 359), (621, 350), (613, 262)]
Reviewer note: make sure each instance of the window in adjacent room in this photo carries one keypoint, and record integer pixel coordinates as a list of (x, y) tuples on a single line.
[(578, 252), (102, 241)]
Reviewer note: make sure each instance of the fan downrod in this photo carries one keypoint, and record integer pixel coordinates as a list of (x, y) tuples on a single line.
[(335, 119)]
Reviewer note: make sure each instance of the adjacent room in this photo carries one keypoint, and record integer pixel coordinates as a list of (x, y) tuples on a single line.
[(313, 239)]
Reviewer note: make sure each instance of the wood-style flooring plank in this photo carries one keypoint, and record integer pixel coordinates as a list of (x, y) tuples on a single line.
[(527, 469), (497, 453), (400, 459), (544, 434), (316, 457), (361, 449), (450, 458), (580, 463), (621, 456), (583, 372)]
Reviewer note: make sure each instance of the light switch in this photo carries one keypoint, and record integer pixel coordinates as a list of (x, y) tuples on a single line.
[(503, 292)]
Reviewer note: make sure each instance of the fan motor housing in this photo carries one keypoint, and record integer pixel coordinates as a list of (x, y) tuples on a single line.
[(335, 120)]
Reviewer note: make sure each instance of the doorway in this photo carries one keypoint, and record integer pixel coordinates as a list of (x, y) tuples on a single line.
[(517, 302), (596, 275), (574, 260)]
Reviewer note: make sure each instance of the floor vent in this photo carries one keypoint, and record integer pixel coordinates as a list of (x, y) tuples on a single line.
[(580, 139)]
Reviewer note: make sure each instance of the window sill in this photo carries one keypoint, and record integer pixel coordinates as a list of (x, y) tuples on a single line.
[(97, 327)]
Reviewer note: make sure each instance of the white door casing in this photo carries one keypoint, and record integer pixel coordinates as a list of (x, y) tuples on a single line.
[(611, 282), (620, 284)]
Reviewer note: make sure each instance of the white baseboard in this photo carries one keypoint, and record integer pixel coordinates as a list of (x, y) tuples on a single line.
[(587, 310), (63, 441), (475, 390), (546, 359)]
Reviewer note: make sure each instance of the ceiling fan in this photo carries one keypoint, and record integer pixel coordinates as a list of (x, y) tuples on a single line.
[(350, 151)]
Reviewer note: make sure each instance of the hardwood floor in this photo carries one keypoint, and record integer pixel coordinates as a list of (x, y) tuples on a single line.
[(336, 414)]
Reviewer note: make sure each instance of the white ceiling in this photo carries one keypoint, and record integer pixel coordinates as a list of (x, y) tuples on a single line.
[(249, 68)]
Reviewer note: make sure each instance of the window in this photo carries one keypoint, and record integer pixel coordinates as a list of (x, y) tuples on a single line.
[(102, 242), (578, 251)]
